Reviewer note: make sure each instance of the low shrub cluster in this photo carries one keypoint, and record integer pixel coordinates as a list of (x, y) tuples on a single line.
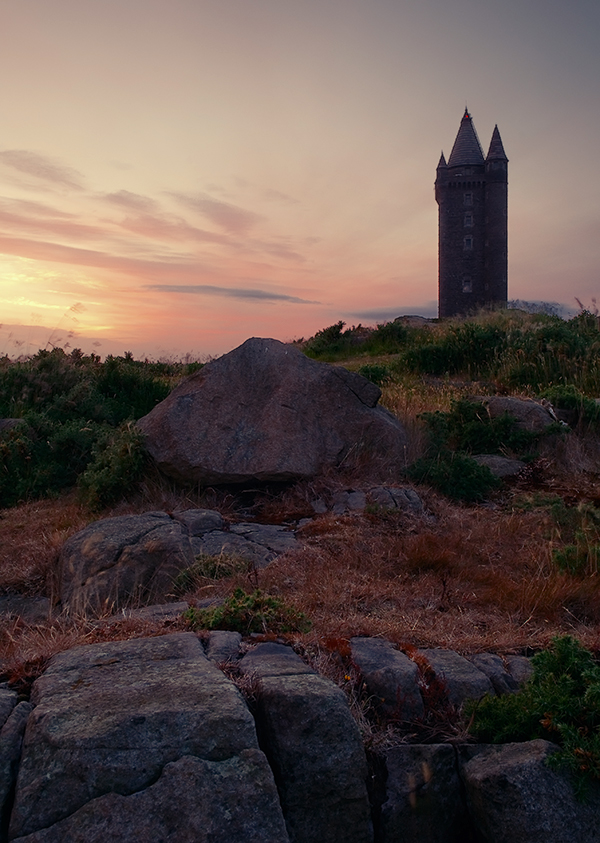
[(561, 703), (247, 613), (525, 351), (453, 436), (76, 413)]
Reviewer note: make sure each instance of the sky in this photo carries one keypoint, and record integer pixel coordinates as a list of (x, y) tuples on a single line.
[(179, 175)]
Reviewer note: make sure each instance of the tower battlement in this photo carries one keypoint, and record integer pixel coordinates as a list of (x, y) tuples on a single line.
[(472, 195)]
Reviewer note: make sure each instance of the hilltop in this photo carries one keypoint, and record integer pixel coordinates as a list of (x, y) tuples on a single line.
[(490, 565)]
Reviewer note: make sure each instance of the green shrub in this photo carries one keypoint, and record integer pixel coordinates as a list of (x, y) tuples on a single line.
[(376, 373), (455, 475), (561, 703), (246, 613), (468, 427), (119, 460)]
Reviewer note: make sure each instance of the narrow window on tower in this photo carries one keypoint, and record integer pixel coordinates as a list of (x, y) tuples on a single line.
[(468, 243), (468, 220), (468, 198), (467, 285)]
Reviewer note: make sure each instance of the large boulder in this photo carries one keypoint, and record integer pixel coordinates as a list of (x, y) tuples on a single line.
[(133, 559), (530, 415), (265, 412)]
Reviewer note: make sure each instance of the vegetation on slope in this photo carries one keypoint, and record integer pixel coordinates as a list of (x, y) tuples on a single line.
[(513, 572), (76, 413)]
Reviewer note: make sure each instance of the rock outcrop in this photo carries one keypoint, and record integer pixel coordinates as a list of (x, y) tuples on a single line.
[(530, 415), (266, 412), (314, 748), (148, 740)]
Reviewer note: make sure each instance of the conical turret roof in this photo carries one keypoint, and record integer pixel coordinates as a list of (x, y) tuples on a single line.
[(496, 150), (466, 149), (442, 162)]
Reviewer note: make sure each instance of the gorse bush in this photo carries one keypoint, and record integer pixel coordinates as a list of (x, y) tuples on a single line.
[(376, 373), (333, 343), (246, 613), (118, 462), (560, 702), (468, 427), (75, 411), (456, 475)]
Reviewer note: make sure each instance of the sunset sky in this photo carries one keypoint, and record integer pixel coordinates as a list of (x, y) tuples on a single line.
[(179, 175)]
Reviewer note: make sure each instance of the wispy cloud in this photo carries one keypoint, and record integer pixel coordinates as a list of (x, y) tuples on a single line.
[(278, 196), (51, 223), (38, 209), (131, 201), (163, 228), (232, 218), (42, 167), (228, 292)]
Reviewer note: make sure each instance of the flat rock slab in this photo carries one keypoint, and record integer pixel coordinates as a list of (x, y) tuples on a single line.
[(108, 718), (314, 748), (266, 412), (396, 497), (514, 797), (530, 415), (259, 544), (391, 677), (463, 680), (193, 801), (29, 609), (424, 801)]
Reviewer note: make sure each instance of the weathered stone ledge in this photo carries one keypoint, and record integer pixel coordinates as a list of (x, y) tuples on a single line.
[(148, 739)]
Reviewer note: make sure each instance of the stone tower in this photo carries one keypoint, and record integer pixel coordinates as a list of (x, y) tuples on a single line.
[(471, 192)]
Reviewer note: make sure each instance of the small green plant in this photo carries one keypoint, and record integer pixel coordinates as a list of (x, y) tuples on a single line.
[(246, 613), (208, 567), (560, 702)]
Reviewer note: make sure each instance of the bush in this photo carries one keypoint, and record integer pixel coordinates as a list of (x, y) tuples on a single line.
[(376, 373), (455, 475), (468, 427), (246, 613), (119, 460), (582, 411), (561, 703)]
